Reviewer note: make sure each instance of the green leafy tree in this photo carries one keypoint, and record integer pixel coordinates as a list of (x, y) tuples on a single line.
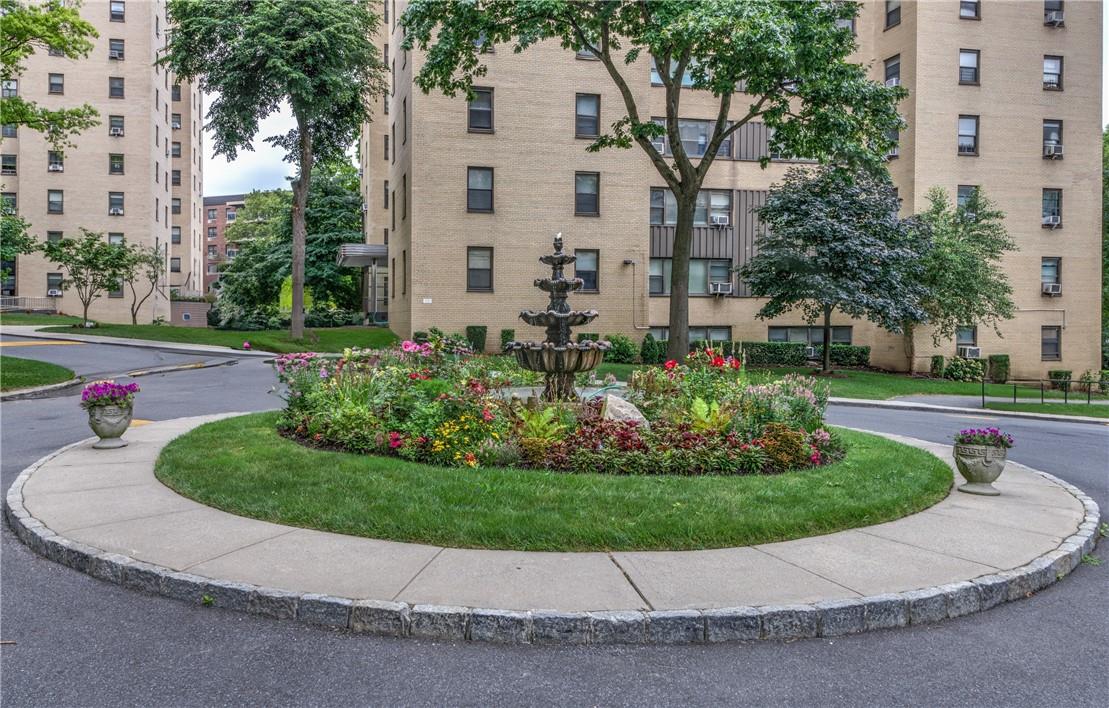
[(832, 240), (962, 273), (14, 241), (90, 265), (28, 27), (264, 214), (780, 62), (143, 270), (317, 56)]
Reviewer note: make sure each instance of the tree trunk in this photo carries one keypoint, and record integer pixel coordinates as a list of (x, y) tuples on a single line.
[(678, 346), (85, 312), (300, 203), (910, 345), (826, 366)]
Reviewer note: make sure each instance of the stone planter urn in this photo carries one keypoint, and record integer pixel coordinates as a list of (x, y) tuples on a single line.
[(110, 423), (980, 465)]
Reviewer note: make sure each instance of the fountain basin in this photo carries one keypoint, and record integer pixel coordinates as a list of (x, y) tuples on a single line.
[(548, 358), (548, 318)]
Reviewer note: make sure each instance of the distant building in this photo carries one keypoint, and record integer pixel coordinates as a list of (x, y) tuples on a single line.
[(219, 211)]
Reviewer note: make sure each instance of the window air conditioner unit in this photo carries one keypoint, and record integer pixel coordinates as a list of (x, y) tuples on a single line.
[(810, 353), (896, 81), (1052, 289), (176, 125), (115, 132), (115, 54), (365, 208), (1053, 151), (1053, 222), (719, 219), (970, 352), (720, 289), (115, 211), (53, 292), (967, 149), (895, 151), (1054, 18), (55, 168)]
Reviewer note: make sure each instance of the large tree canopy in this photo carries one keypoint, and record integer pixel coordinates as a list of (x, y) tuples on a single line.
[(781, 62), (833, 240), (317, 56)]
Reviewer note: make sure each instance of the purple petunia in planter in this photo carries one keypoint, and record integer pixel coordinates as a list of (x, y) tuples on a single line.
[(980, 455), (110, 406)]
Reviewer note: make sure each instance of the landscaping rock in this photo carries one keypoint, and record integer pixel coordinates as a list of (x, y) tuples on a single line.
[(962, 598), (616, 408), (993, 590), (675, 627), (790, 622), (627, 627), (439, 621), (885, 611), (560, 627), (503, 626), (732, 624), (928, 605), (380, 617), (1019, 581), (324, 610), (277, 604), (840, 617)]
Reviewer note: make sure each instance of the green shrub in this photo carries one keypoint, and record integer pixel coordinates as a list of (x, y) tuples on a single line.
[(651, 351), (726, 348), (475, 335), (1087, 380), (849, 355), (960, 369), (699, 345), (771, 353), (1060, 378), (507, 335), (419, 336), (1103, 383), (999, 367), (588, 337), (622, 350), (939, 366)]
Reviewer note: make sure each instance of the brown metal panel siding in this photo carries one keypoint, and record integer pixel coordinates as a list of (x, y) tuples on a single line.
[(751, 141), (747, 226), (708, 242)]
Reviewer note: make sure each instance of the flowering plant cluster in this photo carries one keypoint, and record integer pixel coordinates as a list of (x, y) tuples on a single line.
[(108, 393), (984, 436)]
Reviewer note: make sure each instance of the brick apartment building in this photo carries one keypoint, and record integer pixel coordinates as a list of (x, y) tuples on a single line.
[(137, 177), (219, 211), (461, 199)]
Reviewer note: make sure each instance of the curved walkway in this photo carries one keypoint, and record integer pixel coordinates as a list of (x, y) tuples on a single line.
[(104, 512)]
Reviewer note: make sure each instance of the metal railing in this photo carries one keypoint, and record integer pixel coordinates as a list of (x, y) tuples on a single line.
[(10, 303), (1045, 385)]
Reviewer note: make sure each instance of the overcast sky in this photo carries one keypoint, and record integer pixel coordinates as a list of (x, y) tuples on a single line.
[(264, 168)]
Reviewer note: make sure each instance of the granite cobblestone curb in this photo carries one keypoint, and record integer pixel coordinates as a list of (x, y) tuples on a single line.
[(398, 619)]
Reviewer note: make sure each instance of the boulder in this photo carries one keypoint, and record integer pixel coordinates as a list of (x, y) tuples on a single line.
[(616, 408)]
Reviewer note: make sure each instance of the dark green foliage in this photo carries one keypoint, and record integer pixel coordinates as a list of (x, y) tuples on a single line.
[(588, 336), (850, 355), (771, 353), (419, 336), (651, 351), (999, 367), (698, 345), (475, 335), (507, 335), (960, 369), (1060, 378), (939, 365), (622, 351), (726, 348)]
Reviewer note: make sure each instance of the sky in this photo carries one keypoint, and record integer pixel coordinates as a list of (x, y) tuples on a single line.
[(264, 168)]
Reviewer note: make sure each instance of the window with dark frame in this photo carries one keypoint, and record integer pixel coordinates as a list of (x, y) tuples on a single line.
[(117, 11), (587, 193), (1051, 270), (115, 87), (174, 265), (176, 178), (115, 164), (386, 191), (968, 66), (115, 203), (1051, 348), (968, 135), (54, 236), (175, 92), (969, 10), (480, 111), (892, 70), (964, 193), (175, 205), (479, 189), (587, 115), (175, 234), (386, 141), (115, 126), (703, 272), (966, 336), (710, 203), (893, 13), (1053, 73), (479, 269), (586, 267), (10, 130), (55, 201), (175, 150), (8, 164), (53, 281), (1052, 207), (56, 160), (810, 336), (57, 84), (1053, 139), (115, 49), (404, 196), (1053, 12), (695, 136)]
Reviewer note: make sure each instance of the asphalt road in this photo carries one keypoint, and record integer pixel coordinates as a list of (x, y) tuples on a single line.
[(78, 641)]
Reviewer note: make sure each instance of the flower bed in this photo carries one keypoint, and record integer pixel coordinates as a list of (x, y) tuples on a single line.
[(434, 403)]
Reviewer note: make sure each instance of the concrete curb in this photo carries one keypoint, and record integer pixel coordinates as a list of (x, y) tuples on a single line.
[(933, 408), (399, 619), (34, 392), (136, 343)]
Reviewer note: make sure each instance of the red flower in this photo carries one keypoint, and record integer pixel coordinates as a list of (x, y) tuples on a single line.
[(395, 440), (718, 361), (487, 415), (670, 364), (735, 363)]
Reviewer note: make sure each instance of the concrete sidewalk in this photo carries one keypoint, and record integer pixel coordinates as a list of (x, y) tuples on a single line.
[(964, 554), (32, 332), (917, 405)]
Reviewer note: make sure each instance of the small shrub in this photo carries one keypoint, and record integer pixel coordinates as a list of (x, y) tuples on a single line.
[(650, 351), (772, 353), (699, 345), (622, 350), (1060, 378), (588, 337), (475, 335), (939, 366), (999, 368), (507, 335), (785, 447), (419, 337), (960, 369), (726, 348), (1103, 382), (1087, 380), (849, 355)]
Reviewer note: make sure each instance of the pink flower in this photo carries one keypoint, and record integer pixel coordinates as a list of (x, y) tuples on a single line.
[(246, 345), (395, 440), (670, 364), (487, 415)]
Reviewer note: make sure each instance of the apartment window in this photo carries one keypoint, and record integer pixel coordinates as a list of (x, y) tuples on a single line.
[(175, 121), (893, 70), (687, 78), (1051, 271), (115, 204), (9, 88), (115, 238), (695, 136), (212, 268), (211, 233), (175, 234), (710, 203), (847, 24), (587, 193), (1053, 139), (231, 252), (55, 201), (404, 121), (479, 189), (393, 211), (9, 202), (404, 271), (115, 87), (115, 126), (386, 153), (115, 165), (211, 215), (1053, 12), (175, 205), (54, 236), (964, 194), (8, 165), (404, 196), (479, 269), (174, 265), (53, 281), (969, 10), (213, 251), (968, 66), (585, 267), (176, 150), (57, 83), (393, 159), (175, 92), (116, 289), (55, 51), (702, 273), (710, 334), (230, 215), (1053, 73), (386, 195), (480, 112), (11, 130), (809, 336), (968, 135), (1051, 343), (587, 115), (176, 178), (116, 10), (966, 336), (115, 49), (587, 54), (1052, 208), (893, 13)]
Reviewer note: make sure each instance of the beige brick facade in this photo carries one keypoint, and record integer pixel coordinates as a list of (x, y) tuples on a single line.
[(534, 155), (137, 125)]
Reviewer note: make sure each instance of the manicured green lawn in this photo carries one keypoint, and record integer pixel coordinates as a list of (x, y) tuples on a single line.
[(25, 373), (1083, 409), (243, 466), (34, 318), (330, 339)]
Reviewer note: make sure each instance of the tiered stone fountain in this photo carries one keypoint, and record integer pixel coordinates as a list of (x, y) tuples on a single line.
[(558, 357)]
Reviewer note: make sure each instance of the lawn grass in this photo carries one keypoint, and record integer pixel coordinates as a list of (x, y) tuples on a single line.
[(36, 318), (328, 339), (1083, 409), (241, 465), (16, 372)]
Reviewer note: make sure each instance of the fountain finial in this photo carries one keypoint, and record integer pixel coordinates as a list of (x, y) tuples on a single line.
[(558, 242)]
